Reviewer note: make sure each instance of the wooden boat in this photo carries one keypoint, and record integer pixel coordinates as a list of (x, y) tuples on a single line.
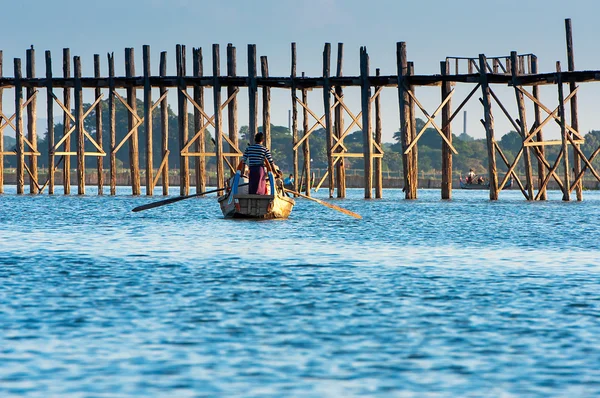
[(237, 203), (485, 185)]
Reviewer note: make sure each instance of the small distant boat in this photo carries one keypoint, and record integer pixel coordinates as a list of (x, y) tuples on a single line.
[(482, 185), (238, 203)]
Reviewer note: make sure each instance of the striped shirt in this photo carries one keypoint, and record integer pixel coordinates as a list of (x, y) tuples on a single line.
[(255, 155)]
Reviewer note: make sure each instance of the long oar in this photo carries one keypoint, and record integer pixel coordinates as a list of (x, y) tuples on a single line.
[(174, 200), (321, 202)]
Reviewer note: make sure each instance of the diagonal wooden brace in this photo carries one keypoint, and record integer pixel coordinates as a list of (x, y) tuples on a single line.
[(430, 121)]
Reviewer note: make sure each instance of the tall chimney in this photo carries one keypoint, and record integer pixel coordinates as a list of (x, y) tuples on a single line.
[(465, 123)]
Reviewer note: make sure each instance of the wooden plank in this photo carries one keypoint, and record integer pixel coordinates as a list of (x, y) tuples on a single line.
[(212, 154), (32, 178), (366, 123), (78, 94), (430, 121), (67, 122), (511, 169), (32, 122), (112, 124), (134, 156), (252, 93), (184, 175), (340, 168), (232, 119), (523, 129), (218, 116), (163, 164), (198, 139), (98, 114), (552, 171), (327, 108), (19, 127), (541, 154), (405, 128), (294, 120), (378, 137), (63, 153), (266, 97), (447, 130), (549, 143), (209, 120), (306, 144), (489, 129), (50, 122), (574, 107), (563, 134), (148, 121), (582, 172), (164, 126), (413, 129)]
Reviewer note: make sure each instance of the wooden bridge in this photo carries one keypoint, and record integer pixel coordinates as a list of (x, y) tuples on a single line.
[(519, 71)]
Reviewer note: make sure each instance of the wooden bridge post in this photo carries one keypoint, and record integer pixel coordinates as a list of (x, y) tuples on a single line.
[(98, 112), (306, 143), (294, 118), (184, 172), (447, 129), (252, 93), (78, 94), (266, 97), (112, 124), (563, 135), (339, 127), (489, 128), (50, 123), (574, 109), (67, 122), (232, 120), (134, 157), (32, 123), (327, 109), (410, 70), (148, 121), (378, 131), (198, 71), (405, 121), (366, 122), (524, 128), (164, 124), (218, 115), (19, 127), (541, 152)]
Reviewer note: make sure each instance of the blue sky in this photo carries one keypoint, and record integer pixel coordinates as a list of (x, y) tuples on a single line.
[(432, 30)]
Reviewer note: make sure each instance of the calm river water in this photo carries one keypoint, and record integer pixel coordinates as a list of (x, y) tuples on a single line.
[(421, 298)]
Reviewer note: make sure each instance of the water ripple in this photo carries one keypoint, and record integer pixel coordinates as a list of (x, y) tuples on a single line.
[(425, 298)]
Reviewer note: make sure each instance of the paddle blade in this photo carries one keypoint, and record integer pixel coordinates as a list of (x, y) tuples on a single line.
[(159, 203), (327, 204)]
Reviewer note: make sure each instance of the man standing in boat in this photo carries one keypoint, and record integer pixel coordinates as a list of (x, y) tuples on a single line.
[(254, 157)]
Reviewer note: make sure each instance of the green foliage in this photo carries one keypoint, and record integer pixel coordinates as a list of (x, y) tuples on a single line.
[(472, 153)]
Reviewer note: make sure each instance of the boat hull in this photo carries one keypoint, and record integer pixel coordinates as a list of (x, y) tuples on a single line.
[(486, 186), (256, 206)]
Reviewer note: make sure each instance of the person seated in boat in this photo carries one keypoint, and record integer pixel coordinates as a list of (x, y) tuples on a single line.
[(255, 157), (480, 180), (470, 176), (289, 181)]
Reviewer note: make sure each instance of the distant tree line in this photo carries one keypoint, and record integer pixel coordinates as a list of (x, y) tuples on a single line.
[(472, 153)]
